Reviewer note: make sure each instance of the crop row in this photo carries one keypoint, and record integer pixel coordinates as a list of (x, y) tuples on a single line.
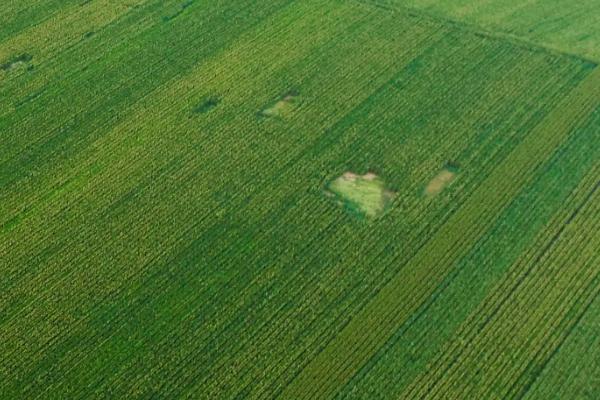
[(64, 29), (126, 56), (242, 312), (152, 186), (20, 16), (509, 307), (416, 344), (356, 343), (547, 27), (378, 253), (573, 371), (191, 190), (104, 105)]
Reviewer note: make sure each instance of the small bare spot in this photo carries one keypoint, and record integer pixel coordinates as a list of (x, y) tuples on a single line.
[(370, 176), (442, 180), (350, 176), (281, 107), (366, 195)]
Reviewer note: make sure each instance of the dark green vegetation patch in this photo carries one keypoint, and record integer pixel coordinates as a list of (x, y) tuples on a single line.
[(206, 105), (16, 62)]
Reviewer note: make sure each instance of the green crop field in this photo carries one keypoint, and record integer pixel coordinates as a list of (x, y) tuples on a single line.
[(344, 199)]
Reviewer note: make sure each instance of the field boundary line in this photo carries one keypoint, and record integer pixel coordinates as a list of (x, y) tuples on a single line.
[(373, 325), (478, 30)]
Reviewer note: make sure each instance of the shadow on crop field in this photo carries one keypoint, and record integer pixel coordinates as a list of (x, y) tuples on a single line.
[(206, 105)]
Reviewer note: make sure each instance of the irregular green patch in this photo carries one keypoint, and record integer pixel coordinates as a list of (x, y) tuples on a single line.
[(364, 194), (281, 107)]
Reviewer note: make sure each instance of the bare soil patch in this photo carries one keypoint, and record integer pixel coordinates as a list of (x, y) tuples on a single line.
[(442, 180), (283, 106)]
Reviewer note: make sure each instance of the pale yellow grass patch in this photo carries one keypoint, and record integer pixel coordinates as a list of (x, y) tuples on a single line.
[(281, 107), (364, 194), (439, 182)]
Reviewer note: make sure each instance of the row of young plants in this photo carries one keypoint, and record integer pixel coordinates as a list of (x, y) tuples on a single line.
[(356, 343), (506, 311), (84, 254), (383, 245), (416, 345)]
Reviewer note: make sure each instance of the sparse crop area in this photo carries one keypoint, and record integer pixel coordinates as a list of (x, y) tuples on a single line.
[(365, 194), (348, 199)]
